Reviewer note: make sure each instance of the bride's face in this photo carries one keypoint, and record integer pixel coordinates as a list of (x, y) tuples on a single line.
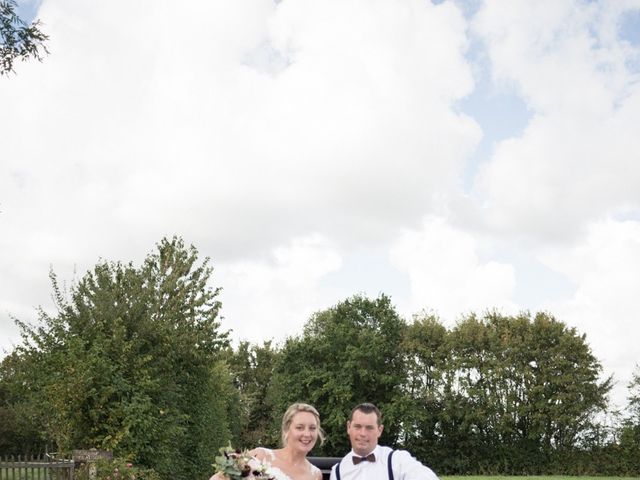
[(303, 431)]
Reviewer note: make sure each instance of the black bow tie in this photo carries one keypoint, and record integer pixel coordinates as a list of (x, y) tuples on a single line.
[(369, 458)]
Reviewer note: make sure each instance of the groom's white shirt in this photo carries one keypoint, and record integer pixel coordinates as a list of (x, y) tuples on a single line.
[(405, 467)]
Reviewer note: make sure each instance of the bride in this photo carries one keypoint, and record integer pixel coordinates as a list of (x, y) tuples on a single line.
[(300, 431)]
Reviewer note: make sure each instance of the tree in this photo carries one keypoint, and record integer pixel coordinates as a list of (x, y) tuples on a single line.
[(634, 397), (17, 39), (347, 354), (524, 390), (131, 363), (630, 429), (20, 414), (567, 391), (252, 368), (426, 348)]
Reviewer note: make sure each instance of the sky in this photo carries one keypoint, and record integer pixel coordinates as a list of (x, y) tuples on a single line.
[(458, 156)]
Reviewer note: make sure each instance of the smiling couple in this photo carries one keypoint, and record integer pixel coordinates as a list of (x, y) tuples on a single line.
[(366, 461)]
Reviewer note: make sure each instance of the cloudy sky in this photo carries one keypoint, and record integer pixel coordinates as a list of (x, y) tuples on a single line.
[(456, 155)]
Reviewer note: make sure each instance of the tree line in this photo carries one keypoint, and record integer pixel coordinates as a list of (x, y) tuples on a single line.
[(135, 361), (19, 40)]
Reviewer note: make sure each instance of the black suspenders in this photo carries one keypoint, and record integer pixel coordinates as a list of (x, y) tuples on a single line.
[(389, 468)]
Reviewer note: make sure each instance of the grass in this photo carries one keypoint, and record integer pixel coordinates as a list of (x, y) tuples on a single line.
[(22, 474), (547, 477), (35, 474)]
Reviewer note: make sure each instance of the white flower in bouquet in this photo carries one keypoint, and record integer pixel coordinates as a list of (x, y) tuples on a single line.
[(239, 465)]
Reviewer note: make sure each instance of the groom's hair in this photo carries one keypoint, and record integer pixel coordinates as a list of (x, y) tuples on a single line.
[(367, 408)]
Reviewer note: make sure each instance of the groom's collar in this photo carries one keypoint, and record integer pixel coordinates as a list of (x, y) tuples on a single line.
[(375, 451)]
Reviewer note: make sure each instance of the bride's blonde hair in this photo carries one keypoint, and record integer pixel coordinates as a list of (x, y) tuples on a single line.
[(287, 418)]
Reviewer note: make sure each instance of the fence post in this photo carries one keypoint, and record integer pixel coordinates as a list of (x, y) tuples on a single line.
[(88, 457)]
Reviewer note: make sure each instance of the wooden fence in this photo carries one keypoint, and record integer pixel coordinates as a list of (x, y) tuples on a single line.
[(35, 467)]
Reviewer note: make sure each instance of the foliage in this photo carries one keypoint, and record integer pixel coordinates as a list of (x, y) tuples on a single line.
[(508, 394), (426, 348), (629, 446), (347, 354), (252, 368), (237, 464), (131, 363), (524, 388), (21, 413), (504, 394), (113, 470), (17, 39), (634, 397)]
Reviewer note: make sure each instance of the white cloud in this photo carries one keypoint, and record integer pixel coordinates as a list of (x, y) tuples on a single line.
[(605, 266), (575, 161), (148, 120), (273, 135), (154, 118), (273, 298), (448, 274), (555, 187)]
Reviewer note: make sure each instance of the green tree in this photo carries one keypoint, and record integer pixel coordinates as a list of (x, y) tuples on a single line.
[(464, 405), (347, 354), (521, 392), (630, 429), (567, 390), (425, 346), (252, 369), (17, 39), (20, 414), (634, 397), (131, 363)]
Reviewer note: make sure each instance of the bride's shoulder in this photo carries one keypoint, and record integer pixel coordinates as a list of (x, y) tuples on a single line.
[(315, 471)]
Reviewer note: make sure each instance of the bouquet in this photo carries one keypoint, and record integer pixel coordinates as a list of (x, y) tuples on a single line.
[(239, 465)]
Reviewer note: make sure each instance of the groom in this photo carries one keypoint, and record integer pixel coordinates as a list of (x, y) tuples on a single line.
[(370, 461)]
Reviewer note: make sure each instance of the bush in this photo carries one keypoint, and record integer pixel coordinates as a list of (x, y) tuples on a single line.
[(116, 469)]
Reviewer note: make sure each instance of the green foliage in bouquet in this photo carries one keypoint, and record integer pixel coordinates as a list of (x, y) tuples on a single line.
[(237, 464)]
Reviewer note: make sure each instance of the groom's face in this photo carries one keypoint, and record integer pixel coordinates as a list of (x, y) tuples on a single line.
[(364, 431)]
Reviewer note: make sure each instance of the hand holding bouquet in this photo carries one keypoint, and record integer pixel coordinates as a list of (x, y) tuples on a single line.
[(239, 465)]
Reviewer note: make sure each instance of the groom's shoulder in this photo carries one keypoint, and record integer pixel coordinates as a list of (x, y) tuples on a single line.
[(383, 452), (399, 453), (347, 455), (336, 466)]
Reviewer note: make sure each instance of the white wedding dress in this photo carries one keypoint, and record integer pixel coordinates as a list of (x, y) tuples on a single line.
[(275, 471), (278, 474)]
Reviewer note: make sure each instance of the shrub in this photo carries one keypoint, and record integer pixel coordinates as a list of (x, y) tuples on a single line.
[(116, 469)]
